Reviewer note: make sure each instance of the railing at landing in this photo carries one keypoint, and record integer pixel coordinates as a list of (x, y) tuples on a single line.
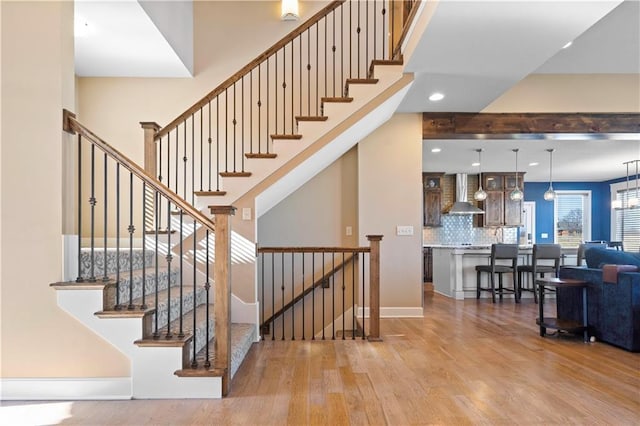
[(290, 279)]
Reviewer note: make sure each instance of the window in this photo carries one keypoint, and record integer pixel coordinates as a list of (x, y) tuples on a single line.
[(625, 222), (572, 218)]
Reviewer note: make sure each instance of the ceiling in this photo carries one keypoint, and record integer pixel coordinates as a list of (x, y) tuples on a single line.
[(473, 51)]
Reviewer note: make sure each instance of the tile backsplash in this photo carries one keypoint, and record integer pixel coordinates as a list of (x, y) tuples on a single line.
[(459, 229)]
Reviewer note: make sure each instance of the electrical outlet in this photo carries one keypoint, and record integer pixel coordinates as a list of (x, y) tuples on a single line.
[(404, 230), (349, 231), (246, 213)]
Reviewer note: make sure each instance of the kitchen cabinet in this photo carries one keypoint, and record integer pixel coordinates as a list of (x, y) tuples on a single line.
[(432, 198), (499, 209)]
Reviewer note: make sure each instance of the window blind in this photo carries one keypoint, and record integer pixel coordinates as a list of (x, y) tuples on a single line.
[(627, 222)]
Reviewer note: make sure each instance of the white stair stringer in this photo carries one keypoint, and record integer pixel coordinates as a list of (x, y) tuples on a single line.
[(272, 180), (152, 368)]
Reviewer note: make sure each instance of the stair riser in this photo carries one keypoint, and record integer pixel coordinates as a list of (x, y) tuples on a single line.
[(112, 261)]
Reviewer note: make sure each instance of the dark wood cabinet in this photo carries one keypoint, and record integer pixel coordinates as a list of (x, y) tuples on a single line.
[(432, 198), (499, 209)]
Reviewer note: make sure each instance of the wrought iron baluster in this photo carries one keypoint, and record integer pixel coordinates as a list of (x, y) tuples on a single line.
[(207, 286), (343, 293), (156, 334), (131, 230), (293, 299), (169, 258), (282, 288), (363, 296), (118, 306), (105, 278), (324, 277), (313, 296), (333, 296), (144, 243), (353, 296), (234, 122), (79, 278), (194, 360), (273, 297), (262, 301), (181, 330), (92, 203), (303, 290)]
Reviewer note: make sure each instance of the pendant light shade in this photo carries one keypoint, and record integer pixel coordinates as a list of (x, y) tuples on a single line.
[(516, 194), (480, 194), (550, 194)]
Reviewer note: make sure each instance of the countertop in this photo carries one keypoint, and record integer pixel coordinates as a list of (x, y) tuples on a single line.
[(470, 247)]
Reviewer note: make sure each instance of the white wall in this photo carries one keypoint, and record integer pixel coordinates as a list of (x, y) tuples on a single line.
[(390, 194)]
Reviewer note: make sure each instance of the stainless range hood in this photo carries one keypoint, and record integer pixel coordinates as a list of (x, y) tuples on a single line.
[(462, 206)]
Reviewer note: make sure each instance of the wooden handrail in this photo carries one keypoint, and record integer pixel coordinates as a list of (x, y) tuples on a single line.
[(308, 290), (247, 68), (73, 126), (313, 249), (405, 29)]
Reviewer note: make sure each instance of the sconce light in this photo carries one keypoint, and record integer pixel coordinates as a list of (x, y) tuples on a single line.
[(516, 194), (290, 10), (480, 194), (550, 194)]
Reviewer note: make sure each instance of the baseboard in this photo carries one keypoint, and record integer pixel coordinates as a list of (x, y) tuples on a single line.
[(52, 389), (395, 312)]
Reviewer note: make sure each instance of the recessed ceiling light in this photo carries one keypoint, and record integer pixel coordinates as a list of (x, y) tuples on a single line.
[(475, 164), (567, 45), (436, 150), (436, 97), (534, 164)]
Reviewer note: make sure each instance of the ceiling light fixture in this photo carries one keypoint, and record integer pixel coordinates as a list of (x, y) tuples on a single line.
[(567, 45), (550, 194), (290, 10), (516, 194), (480, 194), (534, 164), (435, 97), (436, 150)]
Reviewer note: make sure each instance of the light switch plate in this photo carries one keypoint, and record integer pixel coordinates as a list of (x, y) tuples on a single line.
[(404, 230), (349, 231), (246, 213), (544, 235)]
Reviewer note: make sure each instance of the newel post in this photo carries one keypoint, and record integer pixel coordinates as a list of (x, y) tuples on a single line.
[(374, 288), (150, 147), (222, 283)]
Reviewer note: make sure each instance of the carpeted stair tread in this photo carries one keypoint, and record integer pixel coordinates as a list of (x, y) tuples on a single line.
[(149, 284)]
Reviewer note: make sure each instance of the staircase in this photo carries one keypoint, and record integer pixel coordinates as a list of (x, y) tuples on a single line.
[(154, 356), (162, 296)]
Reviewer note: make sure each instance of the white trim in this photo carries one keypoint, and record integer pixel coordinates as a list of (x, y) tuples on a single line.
[(395, 312), (103, 388)]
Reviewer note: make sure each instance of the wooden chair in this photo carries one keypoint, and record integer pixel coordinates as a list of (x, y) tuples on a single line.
[(544, 252), (499, 252)]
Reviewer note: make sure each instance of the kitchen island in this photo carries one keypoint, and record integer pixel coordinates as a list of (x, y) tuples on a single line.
[(454, 268)]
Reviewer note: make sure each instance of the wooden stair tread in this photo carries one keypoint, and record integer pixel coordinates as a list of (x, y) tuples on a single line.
[(343, 99), (260, 155), (311, 118), (287, 137), (235, 174), (210, 193), (377, 62), (162, 341), (125, 313), (160, 232), (200, 371), (362, 81), (84, 285)]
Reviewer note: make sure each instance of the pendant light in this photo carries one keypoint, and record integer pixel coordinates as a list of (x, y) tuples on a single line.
[(516, 194), (480, 194), (550, 195)]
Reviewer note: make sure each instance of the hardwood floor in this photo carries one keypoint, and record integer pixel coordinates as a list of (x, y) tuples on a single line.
[(463, 363)]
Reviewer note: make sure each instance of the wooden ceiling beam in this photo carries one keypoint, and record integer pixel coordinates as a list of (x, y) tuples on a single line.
[(455, 125)]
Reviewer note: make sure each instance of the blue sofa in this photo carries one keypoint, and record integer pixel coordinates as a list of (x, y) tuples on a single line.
[(613, 308)]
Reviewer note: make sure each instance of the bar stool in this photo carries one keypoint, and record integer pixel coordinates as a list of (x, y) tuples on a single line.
[(545, 252), (617, 245), (499, 252)]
